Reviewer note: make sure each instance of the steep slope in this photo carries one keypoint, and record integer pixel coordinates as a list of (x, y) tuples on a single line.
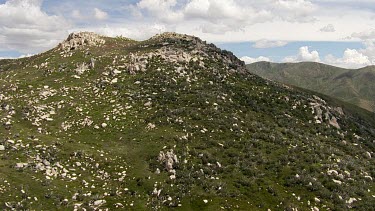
[(354, 86), (172, 121)]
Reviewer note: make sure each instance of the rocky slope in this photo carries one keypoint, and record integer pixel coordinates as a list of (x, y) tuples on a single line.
[(112, 123), (354, 86)]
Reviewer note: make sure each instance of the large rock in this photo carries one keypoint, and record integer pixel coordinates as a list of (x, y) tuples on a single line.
[(333, 122), (99, 202), (169, 159), (76, 40), (81, 68)]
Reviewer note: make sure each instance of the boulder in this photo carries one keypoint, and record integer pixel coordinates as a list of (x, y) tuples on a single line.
[(81, 68), (21, 165), (339, 111), (92, 63), (99, 202), (169, 164), (333, 122)]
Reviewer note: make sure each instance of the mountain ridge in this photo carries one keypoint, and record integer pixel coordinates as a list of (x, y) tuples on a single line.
[(350, 85)]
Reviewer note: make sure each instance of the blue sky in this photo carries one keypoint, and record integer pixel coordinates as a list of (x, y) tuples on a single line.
[(336, 32)]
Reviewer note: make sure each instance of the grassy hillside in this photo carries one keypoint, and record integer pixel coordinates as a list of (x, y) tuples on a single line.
[(173, 122), (354, 86)]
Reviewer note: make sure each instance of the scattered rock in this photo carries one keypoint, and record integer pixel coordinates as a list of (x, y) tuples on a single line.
[(151, 126), (337, 181), (92, 63), (98, 203), (21, 165), (351, 200), (317, 200), (157, 171)]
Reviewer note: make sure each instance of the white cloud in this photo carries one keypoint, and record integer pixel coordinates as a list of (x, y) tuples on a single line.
[(356, 58), (269, 43), (364, 35), (26, 28), (304, 54), (163, 10), (351, 59), (221, 16), (328, 28), (295, 10), (100, 14), (369, 50), (76, 14), (249, 60), (224, 16)]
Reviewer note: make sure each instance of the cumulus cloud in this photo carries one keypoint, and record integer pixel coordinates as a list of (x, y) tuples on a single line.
[(351, 59), (269, 44), (356, 58), (100, 14), (26, 28), (304, 54), (249, 60), (369, 50), (163, 10), (328, 28), (295, 10), (220, 16)]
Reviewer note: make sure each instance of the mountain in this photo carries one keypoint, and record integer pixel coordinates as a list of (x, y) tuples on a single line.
[(355, 86), (173, 122)]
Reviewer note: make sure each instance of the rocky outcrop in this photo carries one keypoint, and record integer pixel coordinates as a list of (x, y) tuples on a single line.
[(333, 122), (169, 160), (81, 68), (201, 48), (76, 40), (324, 113)]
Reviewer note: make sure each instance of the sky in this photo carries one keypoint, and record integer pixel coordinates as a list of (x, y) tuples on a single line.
[(335, 32)]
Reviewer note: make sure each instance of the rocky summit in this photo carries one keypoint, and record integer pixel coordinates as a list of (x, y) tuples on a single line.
[(102, 123)]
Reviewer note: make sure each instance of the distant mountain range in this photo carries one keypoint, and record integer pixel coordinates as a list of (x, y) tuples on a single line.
[(355, 86)]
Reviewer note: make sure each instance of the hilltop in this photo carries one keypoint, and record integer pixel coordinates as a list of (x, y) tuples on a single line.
[(173, 122), (355, 86)]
